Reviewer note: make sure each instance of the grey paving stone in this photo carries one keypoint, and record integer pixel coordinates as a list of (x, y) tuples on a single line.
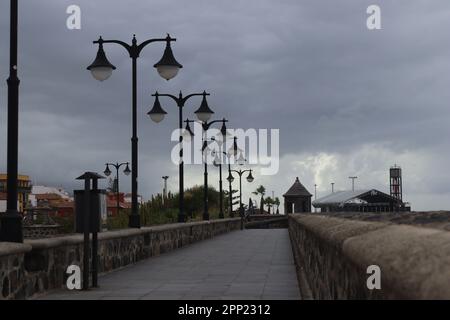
[(242, 265)]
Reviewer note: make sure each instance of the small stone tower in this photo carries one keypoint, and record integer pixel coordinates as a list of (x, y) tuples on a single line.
[(297, 199)]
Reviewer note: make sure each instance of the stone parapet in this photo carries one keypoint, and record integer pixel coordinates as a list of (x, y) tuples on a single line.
[(40, 265), (333, 255)]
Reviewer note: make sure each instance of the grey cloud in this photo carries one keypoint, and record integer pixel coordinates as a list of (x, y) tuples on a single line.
[(309, 68)]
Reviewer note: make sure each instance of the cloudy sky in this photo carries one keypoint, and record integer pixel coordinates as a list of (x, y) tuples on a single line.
[(348, 101)]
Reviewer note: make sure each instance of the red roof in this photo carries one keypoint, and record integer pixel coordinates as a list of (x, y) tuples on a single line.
[(48, 196), (113, 204), (65, 204)]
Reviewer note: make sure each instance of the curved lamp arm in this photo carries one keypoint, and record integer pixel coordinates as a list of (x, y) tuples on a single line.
[(123, 44), (180, 100), (147, 42)]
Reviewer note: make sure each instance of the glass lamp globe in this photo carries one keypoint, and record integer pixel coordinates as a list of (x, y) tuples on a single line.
[(167, 72), (101, 73)]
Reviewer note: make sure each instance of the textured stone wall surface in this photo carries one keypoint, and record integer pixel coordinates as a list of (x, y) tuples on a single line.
[(333, 255), (429, 219), (41, 231), (37, 266), (274, 222)]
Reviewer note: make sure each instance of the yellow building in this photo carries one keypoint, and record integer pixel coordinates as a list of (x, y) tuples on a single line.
[(23, 189)]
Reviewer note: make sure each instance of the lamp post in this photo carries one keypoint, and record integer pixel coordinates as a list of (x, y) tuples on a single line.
[(101, 70), (157, 114), (164, 189), (353, 182), (240, 172), (218, 163), (250, 180), (234, 150), (332, 187), (11, 221), (230, 185), (127, 172), (206, 126)]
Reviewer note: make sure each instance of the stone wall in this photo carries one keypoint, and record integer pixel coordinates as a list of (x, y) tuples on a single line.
[(271, 222), (37, 266), (333, 254), (12, 270), (41, 231)]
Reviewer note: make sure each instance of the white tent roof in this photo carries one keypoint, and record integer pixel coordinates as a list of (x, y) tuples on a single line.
[(342, 197)]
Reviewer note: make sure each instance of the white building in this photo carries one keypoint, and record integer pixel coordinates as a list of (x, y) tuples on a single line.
[(35, 190)]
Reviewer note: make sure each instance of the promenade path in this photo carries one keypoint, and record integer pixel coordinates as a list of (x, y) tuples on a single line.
[(249, 264)]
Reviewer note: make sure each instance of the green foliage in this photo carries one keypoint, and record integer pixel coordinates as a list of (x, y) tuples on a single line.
[(277, 202), (157, 212), (269, 202), (67, 224), (120, 221), (261, 191)]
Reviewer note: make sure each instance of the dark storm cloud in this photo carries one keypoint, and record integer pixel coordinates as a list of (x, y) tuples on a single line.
[(309, 68)]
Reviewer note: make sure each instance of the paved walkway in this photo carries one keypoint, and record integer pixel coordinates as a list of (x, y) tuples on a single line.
[(250, 264)]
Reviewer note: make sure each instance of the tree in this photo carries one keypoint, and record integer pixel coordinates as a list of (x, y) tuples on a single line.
[(262, 192), (269, 202), (277, 202)]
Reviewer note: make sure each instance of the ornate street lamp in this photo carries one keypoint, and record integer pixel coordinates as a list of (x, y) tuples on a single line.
[(218, 163), (127, 172), (250, 179), (157, 114), (102, 69), (202, 112)]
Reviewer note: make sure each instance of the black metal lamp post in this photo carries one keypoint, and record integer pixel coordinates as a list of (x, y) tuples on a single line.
[(157, 114), (127, 172), (230, 185), (233, 152), (206, 126), (250, 179), (101, 70), (11, 221), (218, 163)]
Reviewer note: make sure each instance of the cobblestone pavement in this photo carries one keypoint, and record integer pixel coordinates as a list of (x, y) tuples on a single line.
[(250, 264)]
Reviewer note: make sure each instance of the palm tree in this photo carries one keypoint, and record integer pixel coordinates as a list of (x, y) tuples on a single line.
[(269, 202), (277, 202), (262, 192)]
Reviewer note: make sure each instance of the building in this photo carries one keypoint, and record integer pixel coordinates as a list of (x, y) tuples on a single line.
[(23, 190), (297, 199), (128, 198), (56, 198), (112, 203), (370, 200), (42, 190)]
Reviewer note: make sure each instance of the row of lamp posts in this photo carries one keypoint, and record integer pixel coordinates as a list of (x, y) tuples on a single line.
[(101, 69), (168, 68)]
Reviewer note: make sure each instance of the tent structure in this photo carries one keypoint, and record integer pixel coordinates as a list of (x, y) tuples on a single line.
[(369, 200)]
